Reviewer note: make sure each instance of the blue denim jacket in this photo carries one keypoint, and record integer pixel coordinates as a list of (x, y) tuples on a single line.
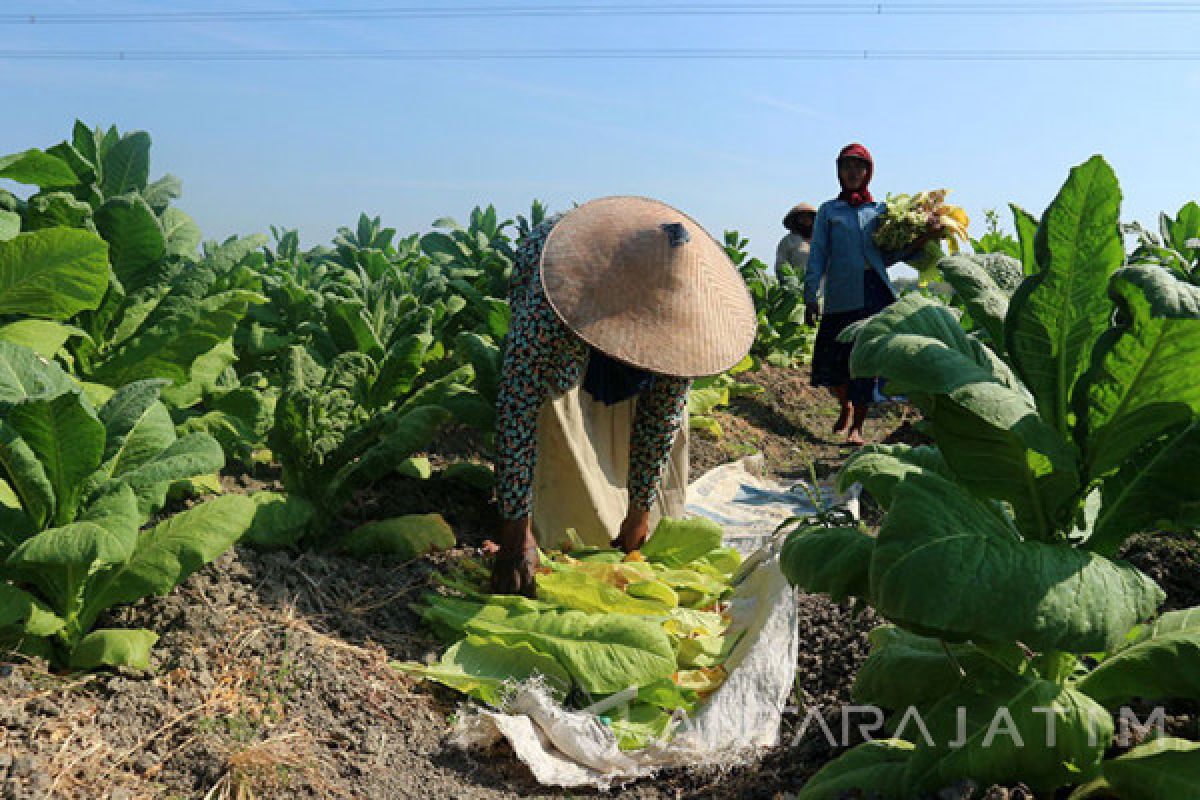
[(842, 249)]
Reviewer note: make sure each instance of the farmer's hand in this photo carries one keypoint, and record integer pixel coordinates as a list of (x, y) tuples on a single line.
[(634, 531), (812, 314), (515, 569)]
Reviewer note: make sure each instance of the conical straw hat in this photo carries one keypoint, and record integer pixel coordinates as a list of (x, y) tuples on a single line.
[(613, 274)]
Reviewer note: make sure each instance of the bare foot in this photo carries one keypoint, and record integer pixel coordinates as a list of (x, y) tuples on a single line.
[(843, 420), (855, 437)]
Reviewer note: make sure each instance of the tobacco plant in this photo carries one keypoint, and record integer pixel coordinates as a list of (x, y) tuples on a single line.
[(78, 480), (1075, 427)]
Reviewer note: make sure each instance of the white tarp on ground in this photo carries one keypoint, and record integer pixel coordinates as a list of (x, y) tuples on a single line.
[(575, 749)]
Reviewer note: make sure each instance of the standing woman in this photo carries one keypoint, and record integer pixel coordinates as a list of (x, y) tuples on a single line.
[(627, 299), (846, 262)]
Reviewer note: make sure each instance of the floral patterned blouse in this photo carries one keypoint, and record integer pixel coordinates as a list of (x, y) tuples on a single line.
[(543, 358)]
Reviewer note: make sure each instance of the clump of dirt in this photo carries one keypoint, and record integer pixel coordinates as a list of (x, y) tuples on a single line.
[(1171, 559)]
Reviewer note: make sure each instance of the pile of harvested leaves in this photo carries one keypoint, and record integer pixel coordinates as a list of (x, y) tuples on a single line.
[(642, 636)]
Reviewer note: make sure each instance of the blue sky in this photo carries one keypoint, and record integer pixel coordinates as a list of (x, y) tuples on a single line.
[(311, 144)]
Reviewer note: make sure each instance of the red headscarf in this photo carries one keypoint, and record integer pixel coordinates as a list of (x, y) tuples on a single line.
[(856, 197)]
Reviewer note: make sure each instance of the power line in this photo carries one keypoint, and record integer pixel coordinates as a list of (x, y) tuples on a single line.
[(618, 54), (617, 9)]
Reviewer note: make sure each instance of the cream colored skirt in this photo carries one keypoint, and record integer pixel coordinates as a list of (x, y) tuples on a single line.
[(580, 480)]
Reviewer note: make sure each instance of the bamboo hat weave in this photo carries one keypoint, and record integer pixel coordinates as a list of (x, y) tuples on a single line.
[(644, 284)]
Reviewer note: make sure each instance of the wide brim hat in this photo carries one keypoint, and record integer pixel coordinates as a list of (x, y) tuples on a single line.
[(645, 284), (797, 210)]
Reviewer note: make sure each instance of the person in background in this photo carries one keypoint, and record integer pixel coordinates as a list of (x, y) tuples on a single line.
[(848, 270), (616, 306), (793, 247)]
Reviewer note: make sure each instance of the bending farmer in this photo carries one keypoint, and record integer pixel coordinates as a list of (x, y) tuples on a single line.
[(628, 299)]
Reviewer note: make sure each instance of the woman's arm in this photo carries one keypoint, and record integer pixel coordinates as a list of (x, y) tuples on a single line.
[(818, 264), (818, 257), (541, 357), (660, 413)]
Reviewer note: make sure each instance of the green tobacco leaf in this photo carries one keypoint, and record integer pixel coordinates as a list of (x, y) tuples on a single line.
[(485, 357), (280, 521), (948, 565), (170, 346), (1162, 662), (677, 542), (879, 467), (704, 400), (38, 169), (832, 561), (42, 336), (114, 509), (974, 285), (482, 669), (24, 374), (171, 551), (108, 647), (999, 449), (10, 224), (126, 164), (351, 329), (80, 156), (60, 561), (451, 616), (187, 457), (54, 273), (986, 427), (706, 425), (1161, 768), (905, 669), (873, 767), (1043, 749), (1135, 389), (408, 537), (161, 192), (130, 312), (181, 233), (206, 373), (57, 209), (581, 592), (408, 433), (137, 427), (603, 653), (25, 476), (480, 476), (233, 252), (417, 467), (135, 239), (1142, 423), (400, 368), (1026, 225), (453, 392), (656, 592), (638, 725), (21, 610), (65, 436), (1055, 317), (1153, 488)]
